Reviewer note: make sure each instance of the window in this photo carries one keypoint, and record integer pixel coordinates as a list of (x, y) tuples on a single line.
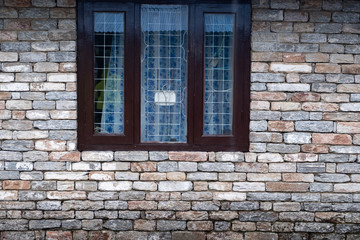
[(163, 75)]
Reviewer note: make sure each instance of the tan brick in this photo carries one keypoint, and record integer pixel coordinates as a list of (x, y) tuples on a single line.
[(305, 97), (17, 3), (175, 176), (199, 225), (352, 68), (327, 68), (333, 217), (101, 176), (281, 126), (342, 58), (260, 105), (259, 67), (153, 176), (55, 235), (188, 156), (65, 156), (292, 78), (266, 56), (294, 57), (335, 97), (268, 96), (348, 88), (243, 226), (8, 35), (63, 195), (200, 186), (144, 225), (297, 177), (50, 145), (143, 167), (220, 186), (320, 107), (314, 148), (285, 106), (16, 184), (339, 139), (347, 187), (348, 127), (282, 167), (142, 205), (304, 27), (264, 177), (317, 57), (192, 215), (286, 206), (287, 187), (301, 157)]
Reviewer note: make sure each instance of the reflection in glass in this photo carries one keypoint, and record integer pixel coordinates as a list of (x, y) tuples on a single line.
[(109, 73), (218, 97), (163, 73)]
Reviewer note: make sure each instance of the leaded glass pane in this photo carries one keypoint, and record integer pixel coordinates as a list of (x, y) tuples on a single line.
[(163, 73), (218, 97), (109, 73)]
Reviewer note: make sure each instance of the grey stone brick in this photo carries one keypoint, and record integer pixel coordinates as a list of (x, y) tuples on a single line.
[(44, 46), (170, 225), (298, 138), (19, 145), (279, 4), (311, 167), (247, 205), (307, 47), (348, 168), (16, 67), (323, 87), (31, 195), (258, 87), (43, 185), (265, 196), (265, 115), (267, 77), (43, 24), (15, 46), (34, 13), (344, 38), (221, 226), (13, 225), (30, 77), (345, 17), (321, 187), (346, 207), (354, 49), (267, 15), (331, 177), (305, 197), (328, 27), (313, 38), (31, 175), (283, 148), (19, 166), (312, 78), (201, 176), (168, 205), (62, 56), (255, 216), (44, 224), (205, 206), (216, 167), (332, 48), (32, 57), (314, 126), (345, 149), (129, 215), (67, 24), (331, 197), (18, 235), (56, 35), (33, 35), (318, 207), (333, 158), (258, 126), (62, 135), (44, 3), (167, 166), (71, 224), (55, 124), (314, 227), (296, 216), (158, 156), (116, 205), (132, 195), (95, 224)]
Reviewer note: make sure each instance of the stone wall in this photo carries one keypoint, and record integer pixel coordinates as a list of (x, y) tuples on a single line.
[(300, 179)]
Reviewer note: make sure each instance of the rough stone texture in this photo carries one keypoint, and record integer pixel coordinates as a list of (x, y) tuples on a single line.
[(299, 180)]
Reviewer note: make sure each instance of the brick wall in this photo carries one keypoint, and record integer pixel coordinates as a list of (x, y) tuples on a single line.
[(300, 180)]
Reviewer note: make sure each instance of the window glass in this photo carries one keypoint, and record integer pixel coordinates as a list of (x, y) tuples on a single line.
[(109, 72), (218, 96), (163, 73)]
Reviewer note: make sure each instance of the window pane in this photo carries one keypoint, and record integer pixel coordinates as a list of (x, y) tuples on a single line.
[(218, 97), (163, 73), (109, 72)]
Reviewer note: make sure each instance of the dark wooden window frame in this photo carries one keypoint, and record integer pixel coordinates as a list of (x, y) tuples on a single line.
[(130, 140)]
